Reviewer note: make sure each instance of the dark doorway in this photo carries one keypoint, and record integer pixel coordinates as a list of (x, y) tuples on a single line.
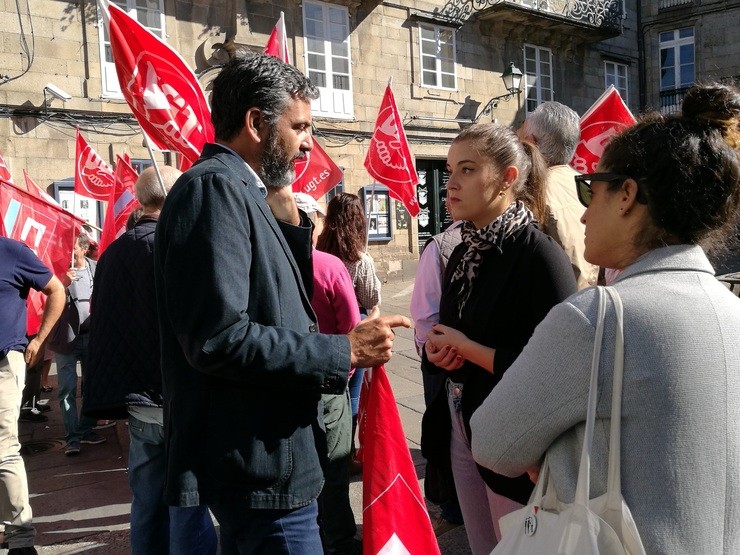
[(431, 192)]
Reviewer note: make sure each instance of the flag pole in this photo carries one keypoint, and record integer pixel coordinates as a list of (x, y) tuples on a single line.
[(372, 193), (367, 224), (154, 162)]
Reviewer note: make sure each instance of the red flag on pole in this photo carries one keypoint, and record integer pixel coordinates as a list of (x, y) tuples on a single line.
[(316, 174), (394, 516), (121, 203), (161, 90), (93, 177), (48, 230), (607, 117), (4, 171), (388, 157), (277, 44)]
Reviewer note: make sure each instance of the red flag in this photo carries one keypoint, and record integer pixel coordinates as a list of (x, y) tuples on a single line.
[(121, 203), (47, 229), (37, 191), (4, 171), (93, 177), (277, 44), (388, 157), (607, 117), (395, 519), (160, 88), (316, 174)]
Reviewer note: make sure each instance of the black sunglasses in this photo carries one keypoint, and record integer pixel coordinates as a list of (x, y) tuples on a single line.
[(583, 184)]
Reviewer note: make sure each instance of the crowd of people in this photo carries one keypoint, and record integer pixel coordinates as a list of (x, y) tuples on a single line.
[(231, 323)]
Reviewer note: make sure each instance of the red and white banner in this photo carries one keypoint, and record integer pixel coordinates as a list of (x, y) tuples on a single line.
[(394, 516), (48, 230), (388, 158), (608, 116), (277, 44), (121, 203), (93, 177), (316, 174), (161, 90), (4, 171)]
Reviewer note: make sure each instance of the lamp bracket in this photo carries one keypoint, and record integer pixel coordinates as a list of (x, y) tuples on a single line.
[(493, 104)]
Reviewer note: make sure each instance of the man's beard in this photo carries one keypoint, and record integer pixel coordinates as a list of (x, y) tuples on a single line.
[(277, 168)]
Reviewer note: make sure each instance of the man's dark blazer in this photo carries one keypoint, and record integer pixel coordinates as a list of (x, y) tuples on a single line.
[(243, 367), (513, 291)]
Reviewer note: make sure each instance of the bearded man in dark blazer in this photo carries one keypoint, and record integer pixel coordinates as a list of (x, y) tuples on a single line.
[(243, 363)]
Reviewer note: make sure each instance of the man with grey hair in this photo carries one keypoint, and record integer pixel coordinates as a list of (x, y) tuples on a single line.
[(123, 378), (556, 130)]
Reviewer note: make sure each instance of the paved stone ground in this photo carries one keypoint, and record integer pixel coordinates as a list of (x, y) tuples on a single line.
[(82, 504)]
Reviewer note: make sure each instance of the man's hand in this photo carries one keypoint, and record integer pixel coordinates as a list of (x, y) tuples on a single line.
[(372, 339), (55, 297), (33, 351), (69, 277), (282, 204)]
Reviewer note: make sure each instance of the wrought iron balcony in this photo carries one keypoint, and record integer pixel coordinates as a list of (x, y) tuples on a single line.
[(598, 15), (670, 100), (665, 4)]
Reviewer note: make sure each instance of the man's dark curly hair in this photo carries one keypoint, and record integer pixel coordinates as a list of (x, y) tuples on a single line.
[(252, 80)]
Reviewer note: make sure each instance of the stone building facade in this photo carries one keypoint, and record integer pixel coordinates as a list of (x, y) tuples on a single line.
[(682, 42), (445, 61)]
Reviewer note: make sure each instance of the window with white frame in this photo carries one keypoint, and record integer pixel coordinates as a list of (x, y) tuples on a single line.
[(150, 14), (437, 48), (676, 59), (537, 76), (328, 61), (616, 74)]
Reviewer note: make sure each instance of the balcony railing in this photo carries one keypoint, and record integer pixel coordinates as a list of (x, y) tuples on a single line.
[(663, 4), (594, 13), (670, 101)]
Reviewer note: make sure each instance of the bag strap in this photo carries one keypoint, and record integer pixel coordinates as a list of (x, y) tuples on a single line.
[(614, 480), (614, 485), (584, 470)]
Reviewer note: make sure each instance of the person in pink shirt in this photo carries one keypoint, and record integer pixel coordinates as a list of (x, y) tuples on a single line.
[(337, 312)]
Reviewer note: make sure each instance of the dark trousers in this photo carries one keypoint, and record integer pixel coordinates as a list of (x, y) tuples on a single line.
[(433, 383), (337, 519)]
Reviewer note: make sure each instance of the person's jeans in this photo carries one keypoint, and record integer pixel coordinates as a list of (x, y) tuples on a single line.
[(337, 520), (15, 510), (76, 427), (155, 527), (355, 385), (268, 531), (481, 507)]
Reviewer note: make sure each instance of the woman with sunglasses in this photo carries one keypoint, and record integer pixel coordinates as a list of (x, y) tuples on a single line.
[(664, 189), (500, 283)]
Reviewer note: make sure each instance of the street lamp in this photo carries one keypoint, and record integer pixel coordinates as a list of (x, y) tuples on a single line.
[(512, 78)]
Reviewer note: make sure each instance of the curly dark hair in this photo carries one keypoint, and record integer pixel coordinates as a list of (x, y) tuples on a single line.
[(344, 228), (687, 167), (251, 80)]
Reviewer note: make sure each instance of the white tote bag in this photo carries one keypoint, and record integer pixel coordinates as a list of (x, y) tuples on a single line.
[(603, 525)]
